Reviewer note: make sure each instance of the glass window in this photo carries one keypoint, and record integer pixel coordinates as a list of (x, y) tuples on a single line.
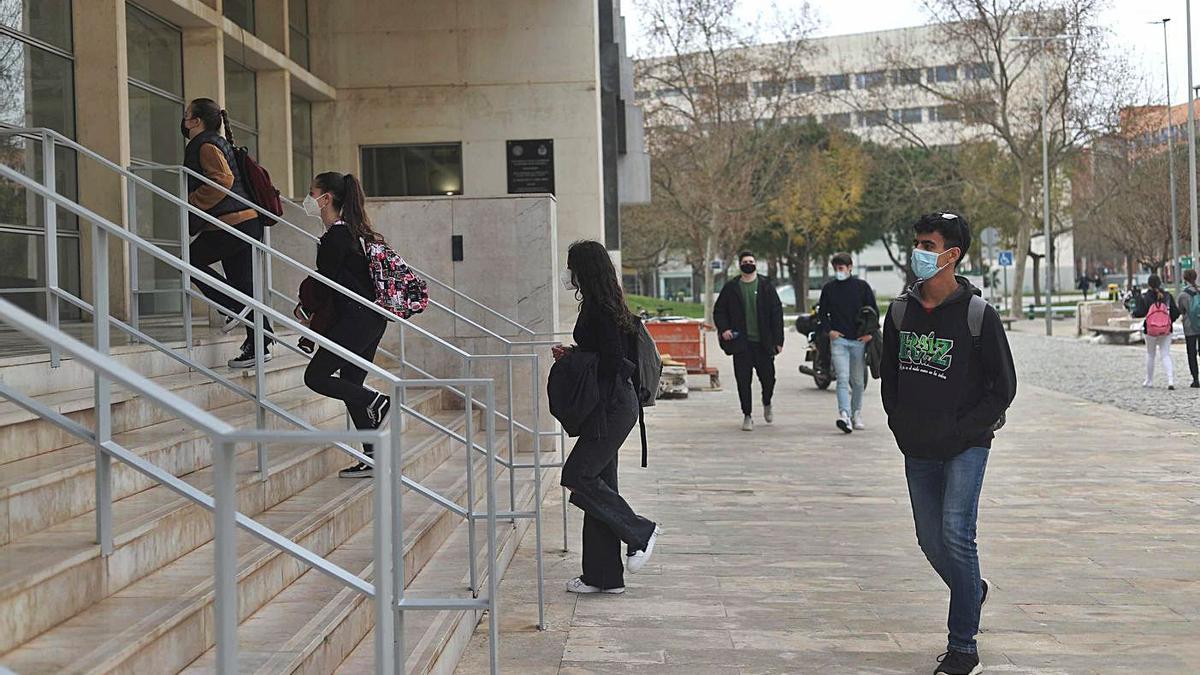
[(37, 89), (942, 74), (837, 82), (906, 77), (241, 103), (302, 150), (945, 113), (412, 170), (978, 71), (804, 85), (872, 118), (870, 80), (241, 12), (298, 30), (155, 51), (836, 120), (23, 263), (768, 89), (45, 20), (907, 115)]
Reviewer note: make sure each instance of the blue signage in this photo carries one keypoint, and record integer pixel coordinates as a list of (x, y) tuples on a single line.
[(1005, 259)]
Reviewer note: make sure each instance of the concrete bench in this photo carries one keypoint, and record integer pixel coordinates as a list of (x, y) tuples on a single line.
[(1119, 333)]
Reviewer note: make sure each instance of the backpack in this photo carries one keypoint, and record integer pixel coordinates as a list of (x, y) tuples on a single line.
[(397, 288), (648, 374), (1193, 308), (1158, 320), (257, 182), (975, 312)]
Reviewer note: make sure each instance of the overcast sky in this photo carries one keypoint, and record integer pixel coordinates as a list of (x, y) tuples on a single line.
[(1127, 19)]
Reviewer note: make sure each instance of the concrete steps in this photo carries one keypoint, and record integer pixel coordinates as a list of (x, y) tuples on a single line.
[(174, 600)]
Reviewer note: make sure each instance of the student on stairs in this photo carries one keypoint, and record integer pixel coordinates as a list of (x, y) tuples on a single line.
[(339, 202)]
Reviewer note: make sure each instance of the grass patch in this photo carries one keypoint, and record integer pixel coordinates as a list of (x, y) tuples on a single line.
[(637, 303)]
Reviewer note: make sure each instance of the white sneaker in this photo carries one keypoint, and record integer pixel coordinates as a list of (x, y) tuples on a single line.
[(747, 423), (844, 422), (858, 421), (576, 585), (634, 563), (768, 414)]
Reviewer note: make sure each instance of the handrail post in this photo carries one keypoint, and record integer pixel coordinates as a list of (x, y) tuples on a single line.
[(562, 460), (50, 215), (135, 314), (492, 582), (102, 391), (399, 393), (472, 547), (534, 389), (260, 412), (185, 253), (387, 539), (512, 426), (225, 601)]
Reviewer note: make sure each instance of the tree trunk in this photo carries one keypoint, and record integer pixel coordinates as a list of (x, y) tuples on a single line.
[(709, 280), (1022, 255), (802, 289), (1037, 276)]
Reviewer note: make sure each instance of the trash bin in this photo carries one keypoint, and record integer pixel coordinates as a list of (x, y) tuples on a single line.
[(1114, 292)]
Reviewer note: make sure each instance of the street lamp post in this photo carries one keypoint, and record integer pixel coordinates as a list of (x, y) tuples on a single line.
[(1192, 213), (1043, 40), (1171, 164)]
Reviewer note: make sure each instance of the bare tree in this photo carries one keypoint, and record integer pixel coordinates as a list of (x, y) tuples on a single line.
[(992, 91), (715, 102)]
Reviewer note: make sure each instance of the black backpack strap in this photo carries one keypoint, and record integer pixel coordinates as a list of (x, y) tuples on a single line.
[(642, 426), (975, 311), (899, 305)]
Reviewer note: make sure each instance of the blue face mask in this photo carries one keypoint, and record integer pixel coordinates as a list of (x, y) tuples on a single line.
[(925, 263)]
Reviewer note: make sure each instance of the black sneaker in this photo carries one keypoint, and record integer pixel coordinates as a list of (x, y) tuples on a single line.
[(958, 663), (359, 470), (378, 410), (246, 358), (1195, 384), (231, 320), (983, 597)]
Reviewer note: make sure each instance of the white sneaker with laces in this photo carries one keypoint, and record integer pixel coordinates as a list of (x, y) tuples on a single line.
[(858, 421), (634, 563), (844, 422), (747, 423), (576, 585)]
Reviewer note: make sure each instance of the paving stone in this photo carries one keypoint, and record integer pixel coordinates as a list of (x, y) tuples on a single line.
[(791, 549)]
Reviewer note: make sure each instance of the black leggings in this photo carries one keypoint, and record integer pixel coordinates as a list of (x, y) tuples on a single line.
[(1193, 345), (360, 335)]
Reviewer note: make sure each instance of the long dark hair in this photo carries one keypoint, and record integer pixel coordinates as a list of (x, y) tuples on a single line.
[(350, 202), (595, 282), (1155, 284), (212, 116)]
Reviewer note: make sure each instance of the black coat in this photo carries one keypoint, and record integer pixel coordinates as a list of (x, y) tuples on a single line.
[(573, 391), (868, 324), (729, 314)]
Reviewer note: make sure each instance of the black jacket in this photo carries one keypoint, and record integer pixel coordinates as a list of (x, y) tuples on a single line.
[(840, 304), (868, 324), (340, 257), (573, 391), (942, 392), (729, 314), (191, 160)]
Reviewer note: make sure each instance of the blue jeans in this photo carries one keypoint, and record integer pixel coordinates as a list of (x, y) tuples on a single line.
[(945, 504), (849, 365)]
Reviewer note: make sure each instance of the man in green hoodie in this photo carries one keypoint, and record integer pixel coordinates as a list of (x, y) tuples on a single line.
[(946, 381)]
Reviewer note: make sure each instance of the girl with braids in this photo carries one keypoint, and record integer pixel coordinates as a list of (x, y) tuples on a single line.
[(339, 202), (210, 154), (606, 326)]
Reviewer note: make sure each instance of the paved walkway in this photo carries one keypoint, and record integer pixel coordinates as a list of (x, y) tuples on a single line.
[(791, 550)]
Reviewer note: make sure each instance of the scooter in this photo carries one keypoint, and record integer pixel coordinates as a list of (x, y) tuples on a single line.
[(817, 353)]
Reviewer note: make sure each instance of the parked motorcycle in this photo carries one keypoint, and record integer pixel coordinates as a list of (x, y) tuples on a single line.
[(817, 353)]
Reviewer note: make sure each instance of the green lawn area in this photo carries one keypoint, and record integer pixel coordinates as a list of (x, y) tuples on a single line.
[(652, 305)]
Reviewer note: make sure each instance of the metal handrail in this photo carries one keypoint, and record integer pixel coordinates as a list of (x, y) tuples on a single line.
[(386, 494), (223, 504)]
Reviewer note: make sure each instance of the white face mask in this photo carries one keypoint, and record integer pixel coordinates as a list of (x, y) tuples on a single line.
[(311, 207), (841, 275), (565, 278)]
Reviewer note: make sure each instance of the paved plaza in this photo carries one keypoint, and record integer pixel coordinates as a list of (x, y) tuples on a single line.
[(791, 549)]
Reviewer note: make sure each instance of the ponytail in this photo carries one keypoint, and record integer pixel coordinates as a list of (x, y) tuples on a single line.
[(228, 128), (350, 202)]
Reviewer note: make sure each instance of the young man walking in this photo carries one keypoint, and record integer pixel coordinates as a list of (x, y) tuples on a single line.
[(749, 318), (947, 379), (840, 311), (1189, 306)]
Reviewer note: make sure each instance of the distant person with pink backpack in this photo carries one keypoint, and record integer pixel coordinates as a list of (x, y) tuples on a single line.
[(1158, 308)]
